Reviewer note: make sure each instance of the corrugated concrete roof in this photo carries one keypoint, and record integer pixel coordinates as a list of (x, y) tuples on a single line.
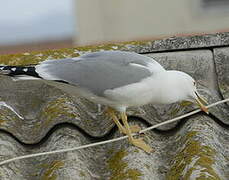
[(43, 119)]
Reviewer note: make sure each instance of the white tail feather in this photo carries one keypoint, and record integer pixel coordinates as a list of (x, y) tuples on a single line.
[(24, 77), (4, 72)]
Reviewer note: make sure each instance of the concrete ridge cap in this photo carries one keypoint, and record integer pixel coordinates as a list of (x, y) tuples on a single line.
[(146, 46)]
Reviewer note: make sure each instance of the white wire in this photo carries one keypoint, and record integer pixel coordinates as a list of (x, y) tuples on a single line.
[(107, 141)]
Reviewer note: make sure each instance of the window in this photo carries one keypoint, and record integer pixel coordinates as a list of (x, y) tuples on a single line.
[(214, 4)]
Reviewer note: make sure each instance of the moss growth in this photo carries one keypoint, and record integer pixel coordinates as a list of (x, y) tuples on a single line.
[(182, 105), (7, 115), (223, 87), (201, 155), (82, 174), (185, 103), (174, 111), (50, 174), (147, 166), (136, 150), (58, 108), (119, 168), (1, 121), (36, 57)]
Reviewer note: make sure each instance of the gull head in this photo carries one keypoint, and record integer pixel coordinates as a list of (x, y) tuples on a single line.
[(184, 88)]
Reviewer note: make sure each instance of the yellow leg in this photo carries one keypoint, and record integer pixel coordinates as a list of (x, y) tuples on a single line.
[(134, 128), (115, 119), (137, 142)]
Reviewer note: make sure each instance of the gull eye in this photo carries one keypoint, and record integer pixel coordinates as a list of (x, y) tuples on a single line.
[(194, 83)]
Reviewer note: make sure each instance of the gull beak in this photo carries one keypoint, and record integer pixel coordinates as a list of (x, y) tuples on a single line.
[(201, 101)]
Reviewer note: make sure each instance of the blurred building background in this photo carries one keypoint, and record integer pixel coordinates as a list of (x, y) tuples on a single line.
[(121, 20), (27, 25)]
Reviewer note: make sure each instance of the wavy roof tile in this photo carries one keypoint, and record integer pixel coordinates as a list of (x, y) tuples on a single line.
[(42, 118)]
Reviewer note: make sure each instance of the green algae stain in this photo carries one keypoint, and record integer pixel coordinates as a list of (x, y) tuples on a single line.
[(1, 122), (58, 108), (185, 103), (50, 173), (181, 106), (82, 174), (36, 57), (7, 115), (119, 168), (174, 111), (195, 154)]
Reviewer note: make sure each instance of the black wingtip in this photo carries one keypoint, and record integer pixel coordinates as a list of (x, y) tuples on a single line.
[(18, 70)]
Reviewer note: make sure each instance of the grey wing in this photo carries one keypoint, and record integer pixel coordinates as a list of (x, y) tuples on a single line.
[(97, 72)]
